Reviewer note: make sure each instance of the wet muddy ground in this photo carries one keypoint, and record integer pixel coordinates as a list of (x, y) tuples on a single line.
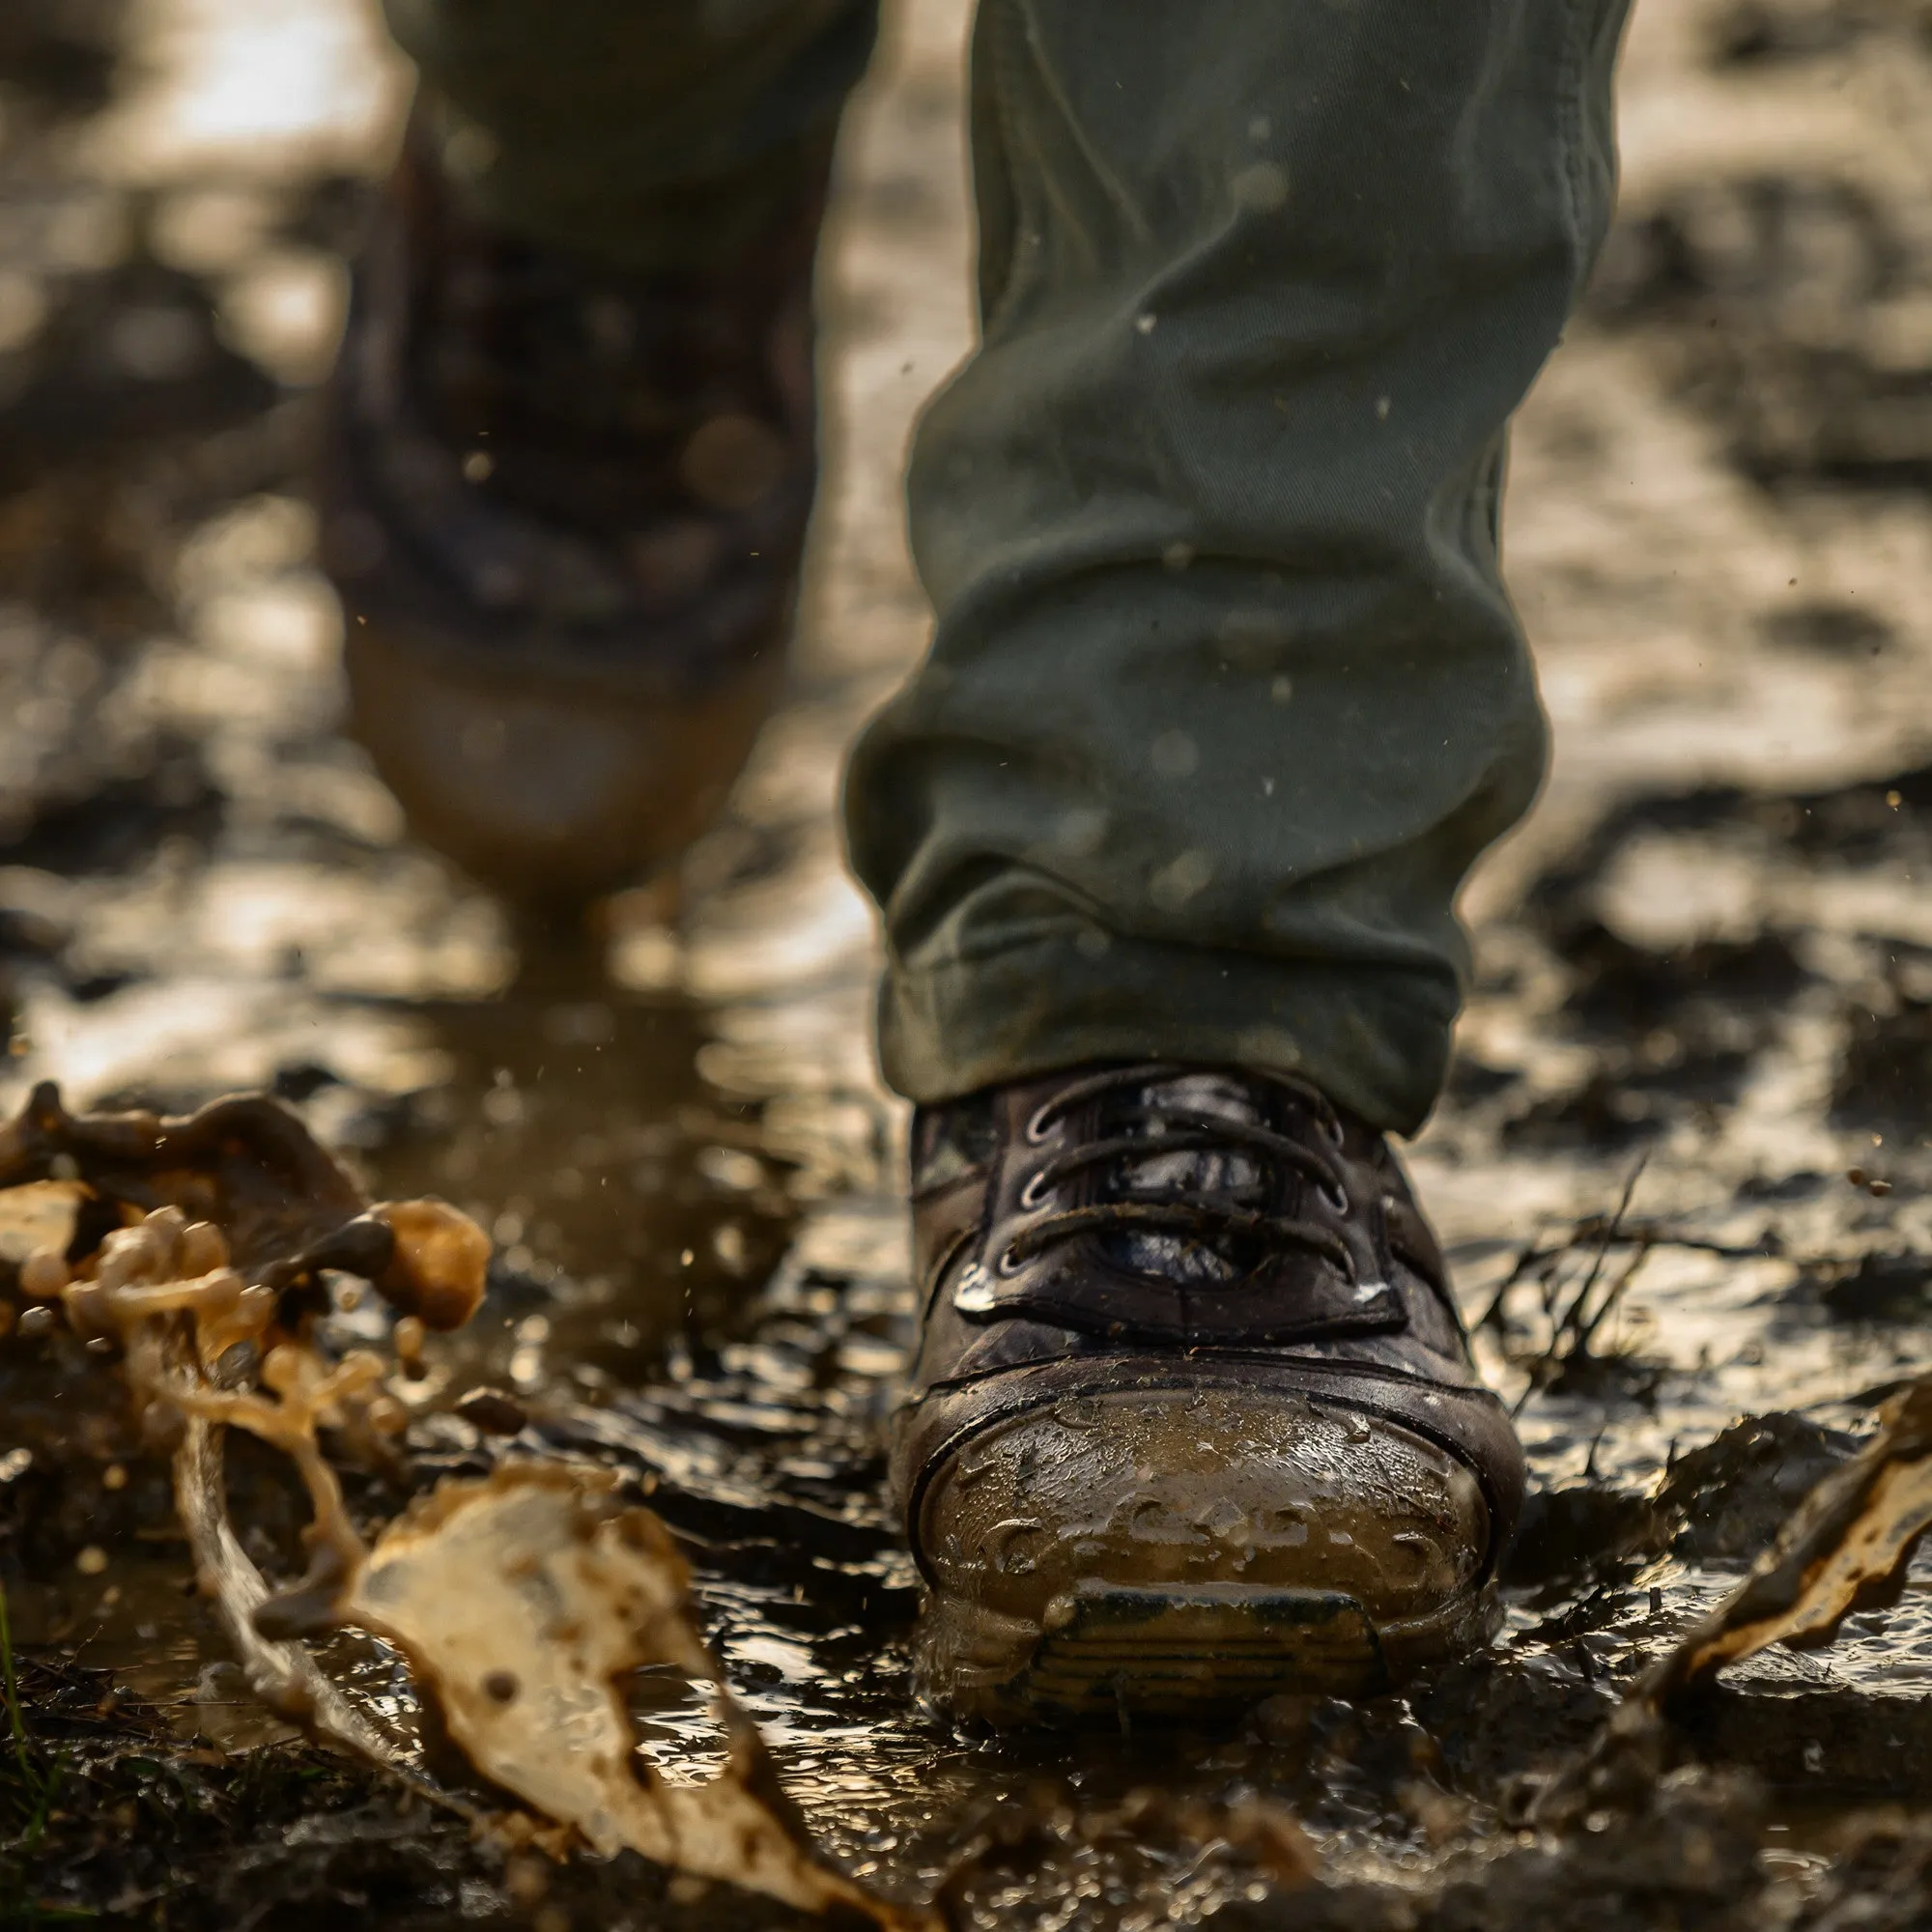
[(1683, 1167)]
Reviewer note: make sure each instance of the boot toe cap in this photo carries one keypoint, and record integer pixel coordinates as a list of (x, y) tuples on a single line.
[(1174, 1549), (1144, 1489)]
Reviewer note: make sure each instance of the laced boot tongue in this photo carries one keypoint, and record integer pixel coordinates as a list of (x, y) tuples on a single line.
[(1237, 1175)]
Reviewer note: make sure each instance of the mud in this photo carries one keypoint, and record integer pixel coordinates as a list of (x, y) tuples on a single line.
[(1681, 1168)]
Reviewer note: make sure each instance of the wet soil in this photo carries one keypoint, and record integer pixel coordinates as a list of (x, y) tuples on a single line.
[(1681, 1168)]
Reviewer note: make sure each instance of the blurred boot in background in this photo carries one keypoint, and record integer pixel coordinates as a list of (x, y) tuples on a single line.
[(571, 452)]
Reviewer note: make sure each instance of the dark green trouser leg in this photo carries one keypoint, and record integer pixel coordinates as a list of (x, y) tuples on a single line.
[(658, 133), (1227, 692)]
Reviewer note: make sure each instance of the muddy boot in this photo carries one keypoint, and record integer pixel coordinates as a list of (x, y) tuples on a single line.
[(1194, 1419), (564, 505)]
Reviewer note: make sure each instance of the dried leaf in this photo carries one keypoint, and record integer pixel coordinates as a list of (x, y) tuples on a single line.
[(1845, 1548)]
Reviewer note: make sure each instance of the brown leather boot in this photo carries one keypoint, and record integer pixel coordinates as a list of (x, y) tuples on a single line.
[(565, 506), (1194, 1419)]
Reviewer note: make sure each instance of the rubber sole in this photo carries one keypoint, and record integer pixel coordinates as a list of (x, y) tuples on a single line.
[(1108, 1655)]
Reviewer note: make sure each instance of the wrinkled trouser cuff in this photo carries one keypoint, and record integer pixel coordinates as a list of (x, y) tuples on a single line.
[(1224, 669), (1373, 1039)]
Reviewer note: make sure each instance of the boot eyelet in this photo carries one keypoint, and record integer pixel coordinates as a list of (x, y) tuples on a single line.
[(1009, 1265), (1337, 1198), (1033, 1194), (973, 1291), (1039, 1123), (1331, 1129)]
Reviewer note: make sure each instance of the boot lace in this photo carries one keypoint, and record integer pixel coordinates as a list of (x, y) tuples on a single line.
[(1199, 1214)]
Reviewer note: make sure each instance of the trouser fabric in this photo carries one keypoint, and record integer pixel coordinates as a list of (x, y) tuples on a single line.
[(653, 133), (1225, 692)]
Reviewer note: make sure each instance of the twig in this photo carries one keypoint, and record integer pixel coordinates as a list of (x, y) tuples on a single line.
[(1573, 1312), (1610, 1300), (1545, 1370), (1493, 1315)]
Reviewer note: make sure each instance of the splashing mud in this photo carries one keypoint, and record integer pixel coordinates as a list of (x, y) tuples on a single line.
[(523, 1603)]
